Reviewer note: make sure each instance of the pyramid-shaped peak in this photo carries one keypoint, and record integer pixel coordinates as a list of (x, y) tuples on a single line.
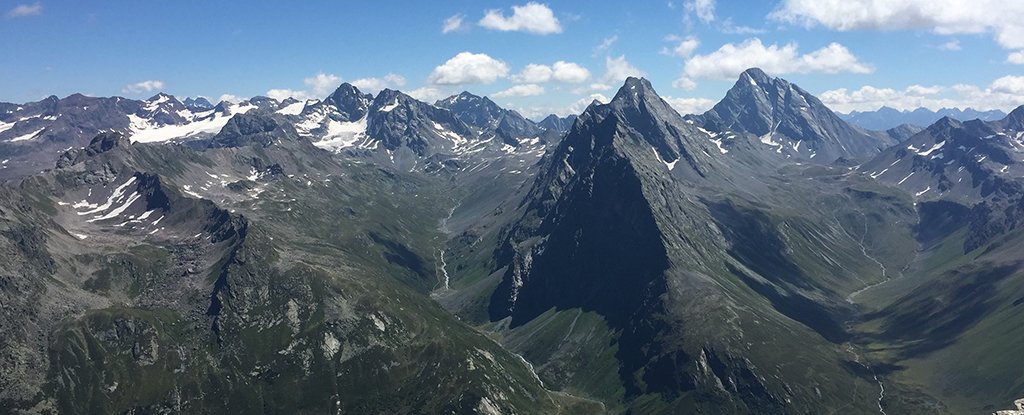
[(756, 75), (160, 97), (387, 96), (467, 95), (633, 91), (943, 124), (346, 91)]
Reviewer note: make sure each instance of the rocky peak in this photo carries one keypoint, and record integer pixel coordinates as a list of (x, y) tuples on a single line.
[(198, 104), (1014, 120), (248, 129), (105, 142), (349, 102), (488, 117), (789, 121)]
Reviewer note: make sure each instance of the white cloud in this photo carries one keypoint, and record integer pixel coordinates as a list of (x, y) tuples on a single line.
[(1016, 58), (468, 68), (531, 17), (569, 72), (453, 24), (618, 69), (230, 98), (524, 90), (574, 108), (428, 94), (923, 90), (143, 86), (1005, 93), (690, 105), (322, 84), (1000, 17), (1013, 85), (684, 46), (605, 45), (319, 85), (728, 27), (704, 9), (372, 85), (732, 59), (534, 73), (561, 71), (952, 45), (23, 10), (582, 104), (282, 94)]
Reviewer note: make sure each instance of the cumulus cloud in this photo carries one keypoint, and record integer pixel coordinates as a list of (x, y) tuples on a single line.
[(143, 86), (1001, 18), (531, 17), (684, 46), (453, 24), (23, 10), (582, 104), (1013, 85), (1005, 93), (618, 69), (468, 68), (282, 94), (732, 59), (230, 98), (428, 94), (1016, 58), (690, 105), (372, 85), (576, 107), (561, 71), (524, 90), (322, 84), (319, 85)]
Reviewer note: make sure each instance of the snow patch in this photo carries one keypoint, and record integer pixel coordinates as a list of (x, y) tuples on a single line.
[(144, 131), (28, 136), (931, 150), (905, 178), (671, 165), (292, 109), (342, 135)]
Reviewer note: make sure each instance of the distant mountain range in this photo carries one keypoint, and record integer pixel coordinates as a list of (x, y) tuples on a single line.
[(374, 253), (885, 118)]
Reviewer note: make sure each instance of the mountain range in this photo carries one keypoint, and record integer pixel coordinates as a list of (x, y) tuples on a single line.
[(886, 117), (373, 253)]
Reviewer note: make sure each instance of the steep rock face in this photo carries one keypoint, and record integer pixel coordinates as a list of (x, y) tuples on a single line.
[(612, 226), (349, 103), (789, 121), (398, 120)]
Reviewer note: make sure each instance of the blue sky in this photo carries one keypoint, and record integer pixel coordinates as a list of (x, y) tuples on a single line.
[(904, 53)]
